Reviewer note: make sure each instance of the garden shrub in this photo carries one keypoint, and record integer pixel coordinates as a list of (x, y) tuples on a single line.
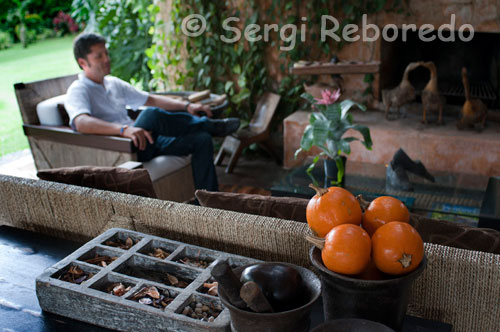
[(5, 40)]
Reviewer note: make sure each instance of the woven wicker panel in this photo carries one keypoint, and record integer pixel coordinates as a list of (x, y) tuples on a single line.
[(460, 287)]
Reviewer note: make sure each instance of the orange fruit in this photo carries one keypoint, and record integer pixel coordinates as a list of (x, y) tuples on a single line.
[(382, 210), (347, 249), (332, 207), (397, 248)]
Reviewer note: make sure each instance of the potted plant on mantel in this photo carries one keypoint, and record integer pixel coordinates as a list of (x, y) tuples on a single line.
[(327, 126)]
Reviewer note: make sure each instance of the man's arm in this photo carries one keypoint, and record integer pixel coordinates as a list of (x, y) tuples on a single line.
[(172, 104), (87, 124)]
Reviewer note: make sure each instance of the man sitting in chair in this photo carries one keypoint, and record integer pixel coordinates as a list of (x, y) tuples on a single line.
[(96, 104)]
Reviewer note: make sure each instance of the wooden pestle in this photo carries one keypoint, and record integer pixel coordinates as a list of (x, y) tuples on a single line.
[(252, 295), (229, 283)]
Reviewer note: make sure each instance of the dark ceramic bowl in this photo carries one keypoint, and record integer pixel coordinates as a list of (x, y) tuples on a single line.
[(351, 325), (295, 320)]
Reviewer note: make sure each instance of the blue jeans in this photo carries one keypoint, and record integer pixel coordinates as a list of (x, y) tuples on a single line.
[(180, 134)]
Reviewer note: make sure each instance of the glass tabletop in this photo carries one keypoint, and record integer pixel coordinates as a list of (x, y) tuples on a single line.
[(454, 197)]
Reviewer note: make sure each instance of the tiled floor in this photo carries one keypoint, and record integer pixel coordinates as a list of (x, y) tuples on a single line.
[(255, 172), (19, 164)]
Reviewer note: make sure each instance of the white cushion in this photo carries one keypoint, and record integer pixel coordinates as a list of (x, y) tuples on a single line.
[(161, 166), (47, 111)]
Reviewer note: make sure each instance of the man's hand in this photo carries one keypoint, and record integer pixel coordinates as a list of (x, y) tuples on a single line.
[(195, 109), (138, 136)]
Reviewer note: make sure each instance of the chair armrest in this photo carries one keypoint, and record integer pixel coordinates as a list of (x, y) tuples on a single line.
[(131, 165), (66, 135)]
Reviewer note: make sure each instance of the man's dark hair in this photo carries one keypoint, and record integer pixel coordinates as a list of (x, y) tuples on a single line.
[(83, 43)]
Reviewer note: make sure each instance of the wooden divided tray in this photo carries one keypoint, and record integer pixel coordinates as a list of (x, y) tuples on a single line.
[(129, 281)]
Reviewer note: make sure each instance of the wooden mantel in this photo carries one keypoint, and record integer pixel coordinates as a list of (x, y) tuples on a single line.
[(326, 68)]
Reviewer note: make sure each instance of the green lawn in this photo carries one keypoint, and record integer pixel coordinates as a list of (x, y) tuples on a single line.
[(44, 59)]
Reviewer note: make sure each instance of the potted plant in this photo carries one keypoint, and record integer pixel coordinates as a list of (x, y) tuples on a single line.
[(326, 129)]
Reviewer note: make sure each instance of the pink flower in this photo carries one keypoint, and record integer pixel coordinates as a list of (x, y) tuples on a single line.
[(329, 97)]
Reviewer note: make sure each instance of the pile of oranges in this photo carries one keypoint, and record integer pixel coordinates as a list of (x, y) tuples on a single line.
[(363, 244)]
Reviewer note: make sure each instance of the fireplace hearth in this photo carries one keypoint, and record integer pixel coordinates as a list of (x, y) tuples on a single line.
[(481, 56)]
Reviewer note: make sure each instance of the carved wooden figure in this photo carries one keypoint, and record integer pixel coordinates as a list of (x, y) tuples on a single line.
[(402, 94), (474, 111), (432, 99)]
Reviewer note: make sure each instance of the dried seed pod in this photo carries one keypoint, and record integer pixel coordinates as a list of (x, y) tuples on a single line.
[(182, 284), (145, 300), (153, 292), (129, 242), (172, 279), (119, 290), (214, 291)]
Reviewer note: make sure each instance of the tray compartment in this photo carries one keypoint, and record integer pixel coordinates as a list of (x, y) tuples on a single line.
[(165, 248), (201, 308), (75, 273), (108, 284), (208, 287), (100, 256), (161, 272), (122, 239), (196, 257), (153, 296)]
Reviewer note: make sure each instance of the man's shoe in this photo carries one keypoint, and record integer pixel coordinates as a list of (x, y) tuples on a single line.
[(224, 127)]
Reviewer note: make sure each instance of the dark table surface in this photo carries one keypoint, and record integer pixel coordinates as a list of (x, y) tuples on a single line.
[(24, 255)]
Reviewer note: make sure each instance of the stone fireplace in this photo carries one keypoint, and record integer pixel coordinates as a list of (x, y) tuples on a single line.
[(481, 57)]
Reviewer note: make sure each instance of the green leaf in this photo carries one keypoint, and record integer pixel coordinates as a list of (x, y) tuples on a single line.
[(295, 155), (332, 112), (315, 160), (242, 81), (369, 78), (307, 139), (350, 139), (365, 132), (320, 132), (237, 69), (340, 169), (309, 98), (228, 86), (346, 105), (345, 147), (242, 95), (332, 148)]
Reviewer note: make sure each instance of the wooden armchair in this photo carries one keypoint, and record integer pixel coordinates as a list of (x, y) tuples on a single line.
[(60, 146), (258, 131)]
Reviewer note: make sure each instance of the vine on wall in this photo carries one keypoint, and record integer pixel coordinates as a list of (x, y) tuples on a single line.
[(241, 69)]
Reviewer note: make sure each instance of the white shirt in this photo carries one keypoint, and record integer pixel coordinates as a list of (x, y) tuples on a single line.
[(107, 101)]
